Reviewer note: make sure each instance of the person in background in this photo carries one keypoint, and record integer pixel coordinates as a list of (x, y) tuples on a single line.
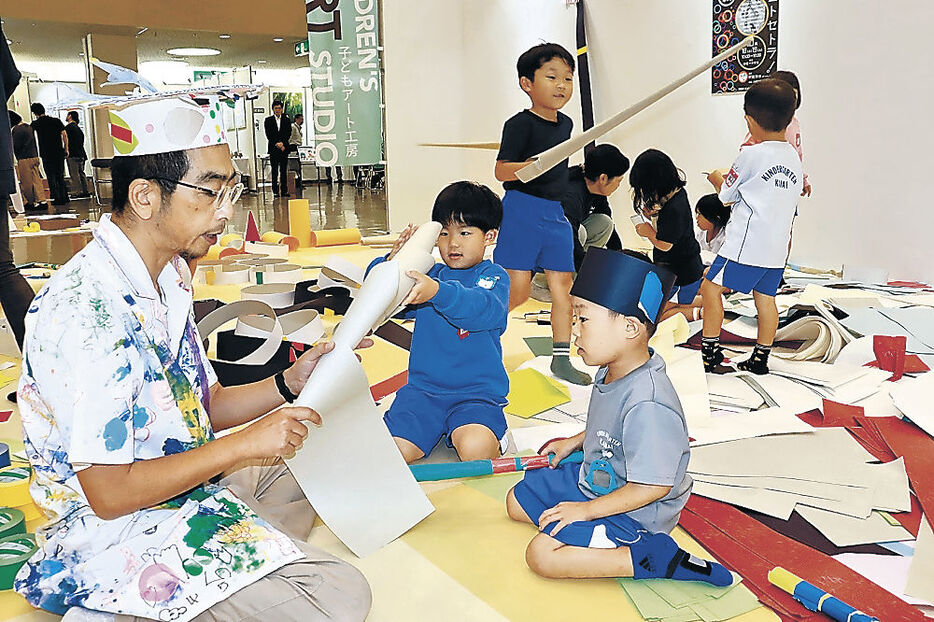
[(27, 163), (295, 140), (77, 156), (278, 130), (53, 149)]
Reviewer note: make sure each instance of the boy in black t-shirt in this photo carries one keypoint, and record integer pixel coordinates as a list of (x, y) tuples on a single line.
[(535, 235), (53, 149)]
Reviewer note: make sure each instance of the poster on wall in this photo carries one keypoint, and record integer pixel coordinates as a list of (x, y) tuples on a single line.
[(734, 20), (347, 116), (291, 102)]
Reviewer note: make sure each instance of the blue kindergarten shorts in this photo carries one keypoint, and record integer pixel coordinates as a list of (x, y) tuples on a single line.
[(545, 488), (534, 235), (685, 294), (423, 418), (742, 278)]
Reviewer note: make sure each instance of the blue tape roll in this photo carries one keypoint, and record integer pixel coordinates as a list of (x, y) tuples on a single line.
[(4, 455)]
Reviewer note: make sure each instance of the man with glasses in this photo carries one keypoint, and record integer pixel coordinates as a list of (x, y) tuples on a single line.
[(151, 515)]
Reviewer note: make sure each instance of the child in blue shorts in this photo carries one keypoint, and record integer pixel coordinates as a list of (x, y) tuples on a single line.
[(763, 186), (658, 190), (535, 235), (610, 516), (457, 384)]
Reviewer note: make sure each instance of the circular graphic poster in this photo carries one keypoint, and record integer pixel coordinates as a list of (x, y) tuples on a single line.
[(732, 21)]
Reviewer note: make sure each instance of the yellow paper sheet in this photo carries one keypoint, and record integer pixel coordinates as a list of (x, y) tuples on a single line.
[(531, 392)]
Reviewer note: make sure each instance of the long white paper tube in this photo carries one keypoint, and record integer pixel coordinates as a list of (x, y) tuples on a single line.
[(547, 160)]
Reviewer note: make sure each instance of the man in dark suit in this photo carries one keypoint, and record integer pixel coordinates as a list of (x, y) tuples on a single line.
[(278, 131)]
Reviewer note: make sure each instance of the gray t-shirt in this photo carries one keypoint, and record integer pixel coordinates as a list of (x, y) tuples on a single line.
[(636, 428)]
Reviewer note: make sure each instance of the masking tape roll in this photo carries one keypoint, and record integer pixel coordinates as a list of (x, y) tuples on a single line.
[(274, 237), (203, 268), (273, 250), (282, 273), (12, 521), (14, 486), (4, 455), (15, 551), (232, 240), (276, 295), (232, 275), (32, 227), (335, 237)]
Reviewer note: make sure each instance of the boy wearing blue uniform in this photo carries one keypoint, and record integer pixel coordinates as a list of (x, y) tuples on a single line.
[(610, 516), (535, 235), (763, 187), (457, 383)]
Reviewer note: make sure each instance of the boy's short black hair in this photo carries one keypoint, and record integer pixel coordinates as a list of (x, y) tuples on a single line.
[(771, 103), (470, 203), (156, 167), (277, 103), (605, 159), (652, 177), (72, 116), (37, 109), (792, 79), (15, 119), (532, 59), (710, 207), (299, 115)]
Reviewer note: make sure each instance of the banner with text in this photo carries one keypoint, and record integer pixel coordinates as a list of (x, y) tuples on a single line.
[(347, 117)]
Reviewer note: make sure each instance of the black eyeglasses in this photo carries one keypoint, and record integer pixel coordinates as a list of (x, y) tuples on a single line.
[(226, 194)]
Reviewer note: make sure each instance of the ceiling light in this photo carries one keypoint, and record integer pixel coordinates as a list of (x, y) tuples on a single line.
[(142, 30), (261, 61), (224, 36), (193, 52), (277, 39)]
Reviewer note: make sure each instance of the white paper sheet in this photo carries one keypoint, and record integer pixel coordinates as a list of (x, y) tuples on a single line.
[(849, 531), (763, 422), (920, 582), (915, 398), (769, 502), (350, 468), (889, 572), (531, 438)]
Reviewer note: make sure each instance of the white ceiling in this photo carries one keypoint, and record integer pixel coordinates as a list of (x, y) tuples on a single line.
[(59, 42)]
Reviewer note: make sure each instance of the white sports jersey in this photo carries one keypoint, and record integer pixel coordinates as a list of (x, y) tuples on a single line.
[(764, 185)]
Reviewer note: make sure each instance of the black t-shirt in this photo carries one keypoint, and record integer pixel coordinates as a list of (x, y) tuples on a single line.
[(525, 135), (75, 141), (578, 204), (676, 226), (24, 142), (49, 134)]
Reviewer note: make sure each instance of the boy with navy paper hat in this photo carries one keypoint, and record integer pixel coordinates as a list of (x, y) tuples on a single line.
[(610, 516)]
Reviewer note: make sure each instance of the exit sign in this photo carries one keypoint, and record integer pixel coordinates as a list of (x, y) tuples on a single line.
[(301, 48)]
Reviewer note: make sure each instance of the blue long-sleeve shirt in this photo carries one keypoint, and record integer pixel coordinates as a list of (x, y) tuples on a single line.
[(456, 341)]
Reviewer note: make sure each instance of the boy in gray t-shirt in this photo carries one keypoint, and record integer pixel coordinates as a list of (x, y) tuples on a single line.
[(610, 516)]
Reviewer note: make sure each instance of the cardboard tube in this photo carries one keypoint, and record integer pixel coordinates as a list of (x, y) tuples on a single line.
[(550, 158), (231, 275), (281, 273), (300, 222), (274, 237), (214, 252), (227, 252), (335, 237), (276, 295)]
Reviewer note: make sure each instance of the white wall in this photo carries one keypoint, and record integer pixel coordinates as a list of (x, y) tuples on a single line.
[(865, 71), (451, 77)]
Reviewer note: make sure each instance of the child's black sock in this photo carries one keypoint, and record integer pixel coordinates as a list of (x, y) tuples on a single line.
[(561, 364), (711, 352), (658, 556), (758, 363)]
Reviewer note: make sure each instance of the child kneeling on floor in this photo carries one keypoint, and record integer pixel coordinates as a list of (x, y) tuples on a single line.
[(610, 516), (457, 384)]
